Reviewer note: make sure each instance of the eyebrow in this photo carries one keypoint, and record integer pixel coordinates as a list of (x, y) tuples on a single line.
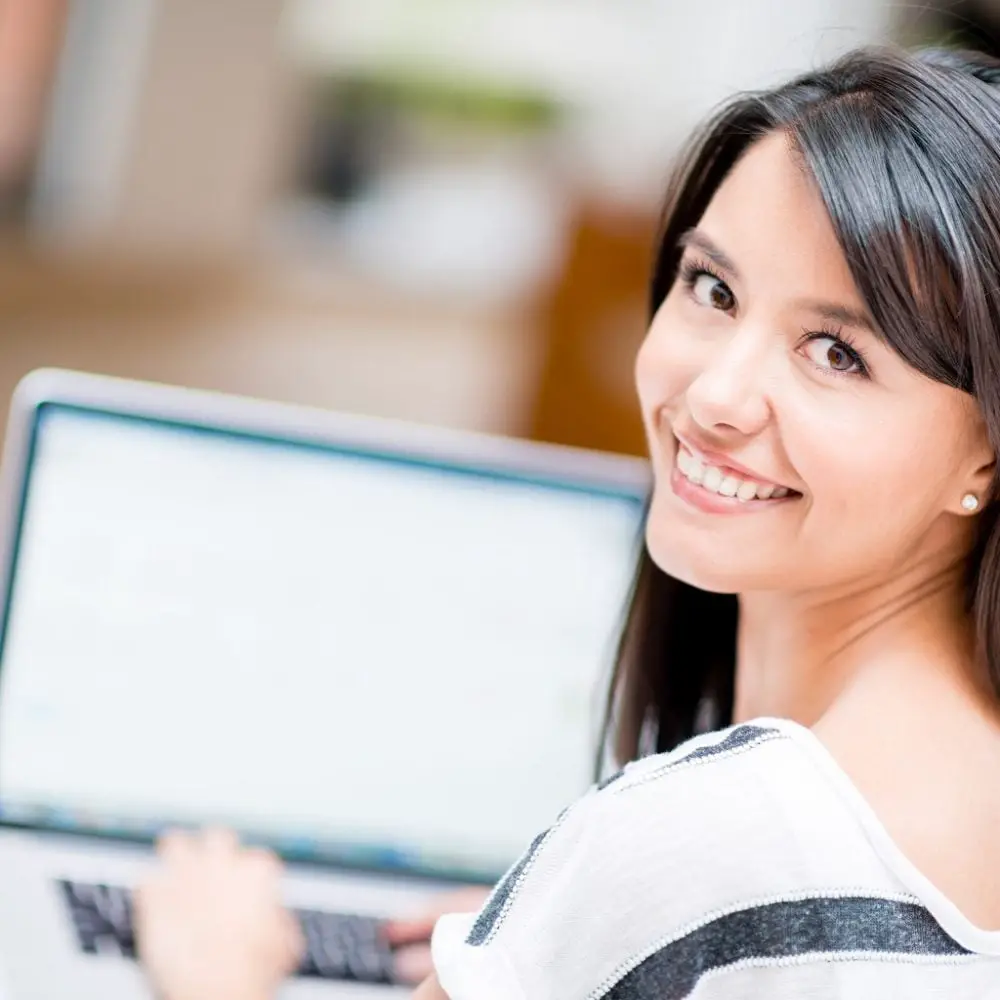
[(694, 239), (697, 240), (838, 313)]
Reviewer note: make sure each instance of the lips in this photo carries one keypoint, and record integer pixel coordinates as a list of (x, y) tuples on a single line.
[(717, 475), (724, 481)]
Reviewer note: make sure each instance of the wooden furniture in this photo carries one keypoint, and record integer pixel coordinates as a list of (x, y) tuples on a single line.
[(592, 327)]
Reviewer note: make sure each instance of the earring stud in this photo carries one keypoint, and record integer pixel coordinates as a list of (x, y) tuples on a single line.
[(970, 502)]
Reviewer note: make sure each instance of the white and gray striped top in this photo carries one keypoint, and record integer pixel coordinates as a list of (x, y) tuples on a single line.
[(743, 864)]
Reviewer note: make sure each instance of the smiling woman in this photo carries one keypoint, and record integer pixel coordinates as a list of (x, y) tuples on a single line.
[(832, 293), (820, 388)]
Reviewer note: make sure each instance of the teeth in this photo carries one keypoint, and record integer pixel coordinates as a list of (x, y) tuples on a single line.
[(715, 481), (729, 486), (712, 479), (690, 466)]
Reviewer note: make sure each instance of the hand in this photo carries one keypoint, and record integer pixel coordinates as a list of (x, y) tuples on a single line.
[(210, 924), (411, 938)]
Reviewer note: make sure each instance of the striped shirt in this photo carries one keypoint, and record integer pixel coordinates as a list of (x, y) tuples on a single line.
[(743, 864)]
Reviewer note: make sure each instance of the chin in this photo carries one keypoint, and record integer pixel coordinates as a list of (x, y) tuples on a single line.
[(679, 555)]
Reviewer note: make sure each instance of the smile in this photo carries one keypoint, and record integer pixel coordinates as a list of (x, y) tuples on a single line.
[(726, 482)]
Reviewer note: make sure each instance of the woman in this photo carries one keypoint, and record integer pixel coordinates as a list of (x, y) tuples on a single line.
[(821, 391)]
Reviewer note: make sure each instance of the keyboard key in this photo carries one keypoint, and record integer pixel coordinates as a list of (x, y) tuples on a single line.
[(101, 916)]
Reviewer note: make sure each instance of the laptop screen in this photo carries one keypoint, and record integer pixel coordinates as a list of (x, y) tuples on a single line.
[(352, 657)]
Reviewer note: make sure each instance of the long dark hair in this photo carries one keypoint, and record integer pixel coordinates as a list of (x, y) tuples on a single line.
[(905, 152)]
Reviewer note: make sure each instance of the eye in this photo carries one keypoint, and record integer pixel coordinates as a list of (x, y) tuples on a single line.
[(833, 354), (710, 290)]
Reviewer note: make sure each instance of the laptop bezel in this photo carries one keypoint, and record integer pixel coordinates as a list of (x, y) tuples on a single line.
[(589, 471)]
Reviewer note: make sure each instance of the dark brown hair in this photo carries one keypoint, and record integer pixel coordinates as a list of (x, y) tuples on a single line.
[(904, 150)]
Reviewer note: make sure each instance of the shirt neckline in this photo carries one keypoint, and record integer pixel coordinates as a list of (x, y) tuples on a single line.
[(944, 911)]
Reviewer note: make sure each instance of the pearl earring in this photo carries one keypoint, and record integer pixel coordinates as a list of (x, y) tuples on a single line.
[(970, 502)]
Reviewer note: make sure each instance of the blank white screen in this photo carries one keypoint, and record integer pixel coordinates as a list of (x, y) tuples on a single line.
[(206, 627)]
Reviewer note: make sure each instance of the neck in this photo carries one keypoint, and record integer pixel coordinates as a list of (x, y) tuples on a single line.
[(798, 655)]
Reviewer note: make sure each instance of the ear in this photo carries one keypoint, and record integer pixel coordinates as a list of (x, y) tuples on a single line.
[(982, 466)]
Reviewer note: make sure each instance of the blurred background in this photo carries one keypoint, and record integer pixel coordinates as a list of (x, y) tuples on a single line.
[(430, 209)]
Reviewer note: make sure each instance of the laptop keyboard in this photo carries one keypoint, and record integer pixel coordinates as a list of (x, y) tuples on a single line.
[(338, 946)]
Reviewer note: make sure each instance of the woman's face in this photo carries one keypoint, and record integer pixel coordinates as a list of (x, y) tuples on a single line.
[(761, 377)]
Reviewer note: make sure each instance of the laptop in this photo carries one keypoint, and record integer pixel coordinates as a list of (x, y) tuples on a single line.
[(379, 649)]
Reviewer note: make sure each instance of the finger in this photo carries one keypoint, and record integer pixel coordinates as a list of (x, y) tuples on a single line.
[(264, 860), (175, 845), (413, 965), (409, 931), (295, 940), (142, 891), (419, 927), (218, 840)]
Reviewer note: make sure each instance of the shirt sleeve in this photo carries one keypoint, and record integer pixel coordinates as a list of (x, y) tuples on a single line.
[(505, 950), (626, 871), (545, 930)]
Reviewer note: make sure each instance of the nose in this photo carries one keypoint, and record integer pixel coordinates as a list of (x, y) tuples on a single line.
[(728, 395)]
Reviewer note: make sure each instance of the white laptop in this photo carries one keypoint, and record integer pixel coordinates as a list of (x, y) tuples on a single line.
[(380, 649)]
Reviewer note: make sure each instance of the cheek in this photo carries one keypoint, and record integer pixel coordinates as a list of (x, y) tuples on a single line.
[(845, 470), (858, 452), (874, 486), (665, 365)]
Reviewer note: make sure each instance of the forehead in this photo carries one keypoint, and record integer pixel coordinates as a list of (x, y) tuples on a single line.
[(768, 217)]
